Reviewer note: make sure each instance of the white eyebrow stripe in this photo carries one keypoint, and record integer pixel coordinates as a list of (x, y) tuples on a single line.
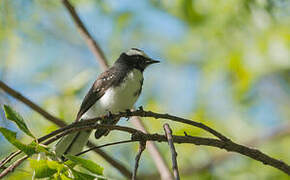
[(134, 51)]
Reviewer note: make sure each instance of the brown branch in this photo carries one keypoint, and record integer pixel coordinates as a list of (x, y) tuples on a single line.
[(118, 165), (9, 158), (141, 113), (60, 133), (279, 132), (104, 145), (32, 105), (142, 146), (12, 166), (168, 133), (160, 163), (92, 44), (81, 127), (137, 135), (227, 145)]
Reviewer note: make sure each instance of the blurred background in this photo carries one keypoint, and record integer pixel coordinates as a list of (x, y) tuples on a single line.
[(224, 63)]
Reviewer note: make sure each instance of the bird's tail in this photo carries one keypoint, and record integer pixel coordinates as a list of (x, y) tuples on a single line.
[(72, 143)]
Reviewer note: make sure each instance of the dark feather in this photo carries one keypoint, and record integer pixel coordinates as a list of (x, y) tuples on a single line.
[(111, 77)]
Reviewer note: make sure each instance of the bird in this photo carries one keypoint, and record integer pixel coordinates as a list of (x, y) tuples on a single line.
[(115, 90)]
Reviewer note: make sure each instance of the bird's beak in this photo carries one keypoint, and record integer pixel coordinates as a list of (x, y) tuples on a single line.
[(151, 61)]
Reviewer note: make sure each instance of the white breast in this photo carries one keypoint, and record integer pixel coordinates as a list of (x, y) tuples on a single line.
[(118, 98)]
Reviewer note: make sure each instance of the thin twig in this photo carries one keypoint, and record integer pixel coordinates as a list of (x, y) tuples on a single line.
[(141, 113), (113, 162), (9, 158), (278, 132), (92, 44), (32, 105), (142, 146), (12, 166), (168, 133), (104, 145), (118, 165), (227, 145), (159, 161), (76, 128)]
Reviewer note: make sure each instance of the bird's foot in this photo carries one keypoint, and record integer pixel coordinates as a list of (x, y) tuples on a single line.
[(140, 108), (128, 114), (109, 115)]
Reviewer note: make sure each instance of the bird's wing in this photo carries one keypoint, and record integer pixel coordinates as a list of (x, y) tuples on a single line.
[(103, 82)]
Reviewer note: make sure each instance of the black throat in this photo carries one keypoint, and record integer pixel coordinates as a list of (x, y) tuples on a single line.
[(121, 70)]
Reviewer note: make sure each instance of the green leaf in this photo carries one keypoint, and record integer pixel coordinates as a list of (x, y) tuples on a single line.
[(64, 177), (87, 164), (56, 165), (82, 176), (15, 117), (11, 137), (41, 168), (40, 148)]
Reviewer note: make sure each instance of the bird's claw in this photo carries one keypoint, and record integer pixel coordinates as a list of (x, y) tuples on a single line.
[(140, 108), (109, 115)]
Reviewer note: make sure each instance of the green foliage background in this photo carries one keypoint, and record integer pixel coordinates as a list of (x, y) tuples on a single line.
[(225, 63)]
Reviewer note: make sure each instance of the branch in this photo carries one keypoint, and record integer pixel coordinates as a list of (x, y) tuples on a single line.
[(105, 145), (9, 158), (168, 133), (140, 136), (279, 132), (152, 149), (115, 163), (122, 169), (141, 113), (60, 133), (12, 166), (142, 146), (137, 135), (32, 105), (92, 44)]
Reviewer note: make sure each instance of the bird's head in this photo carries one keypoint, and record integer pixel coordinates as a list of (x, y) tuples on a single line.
[(136, 58)]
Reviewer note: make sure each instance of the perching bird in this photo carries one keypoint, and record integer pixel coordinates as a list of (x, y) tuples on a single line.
[(115, 90)]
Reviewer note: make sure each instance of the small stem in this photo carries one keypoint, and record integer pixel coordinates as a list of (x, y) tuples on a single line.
[(168, 133), (142, 146), (9, 158), (100, 146)]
